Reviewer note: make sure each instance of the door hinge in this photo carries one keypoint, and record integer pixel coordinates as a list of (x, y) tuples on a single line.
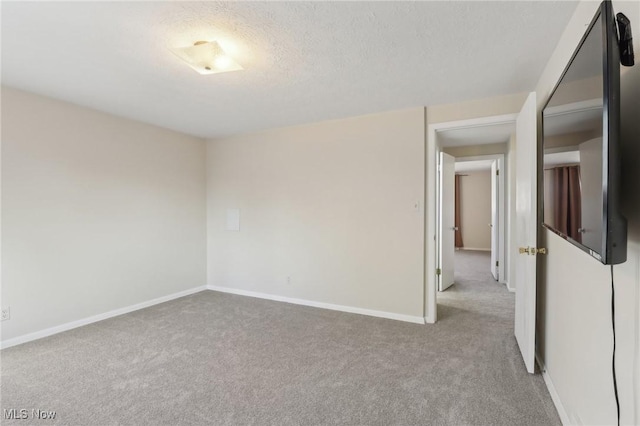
[(438, 271), (497, 263), (498, 172)]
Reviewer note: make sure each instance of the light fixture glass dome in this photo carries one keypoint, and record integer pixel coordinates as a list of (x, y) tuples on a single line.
[(206, 57)]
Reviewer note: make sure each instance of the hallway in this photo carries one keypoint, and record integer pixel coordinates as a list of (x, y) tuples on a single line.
[(479, 313), (475, 290)]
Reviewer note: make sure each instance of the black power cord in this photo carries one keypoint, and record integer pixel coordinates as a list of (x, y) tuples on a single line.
[(613, 361)]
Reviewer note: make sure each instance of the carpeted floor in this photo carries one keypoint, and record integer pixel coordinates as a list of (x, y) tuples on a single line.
[(213, 358)]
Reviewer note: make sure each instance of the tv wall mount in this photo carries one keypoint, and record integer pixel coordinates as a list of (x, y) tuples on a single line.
[(625, 40)]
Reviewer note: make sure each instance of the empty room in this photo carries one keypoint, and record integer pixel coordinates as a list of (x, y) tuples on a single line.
[(233, 213)]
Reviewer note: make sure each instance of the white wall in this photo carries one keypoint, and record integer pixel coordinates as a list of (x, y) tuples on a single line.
[(331, 206), (98, 212), (574, 312), (475, 210)]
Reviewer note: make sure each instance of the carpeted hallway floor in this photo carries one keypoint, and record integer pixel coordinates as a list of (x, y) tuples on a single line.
[(213, 358)]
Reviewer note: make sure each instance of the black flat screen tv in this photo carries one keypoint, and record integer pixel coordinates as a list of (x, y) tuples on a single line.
[(581, 146)]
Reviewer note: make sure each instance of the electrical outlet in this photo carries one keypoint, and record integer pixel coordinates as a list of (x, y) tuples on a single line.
[(6, 313)]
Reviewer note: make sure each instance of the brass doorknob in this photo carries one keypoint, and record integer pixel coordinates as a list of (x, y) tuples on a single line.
[(532, 250)]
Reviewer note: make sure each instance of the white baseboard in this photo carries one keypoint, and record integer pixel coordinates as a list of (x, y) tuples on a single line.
[(342, 308), (95, 318), (564, 418), (474, 249)]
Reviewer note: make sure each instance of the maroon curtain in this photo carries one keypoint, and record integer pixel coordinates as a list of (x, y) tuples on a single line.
[(567, 203), (458, 240)]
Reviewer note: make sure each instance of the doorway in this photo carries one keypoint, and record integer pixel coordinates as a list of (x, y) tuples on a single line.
[(472, 237), (472, 214), (488, 140), (521, 220), (482, 208)]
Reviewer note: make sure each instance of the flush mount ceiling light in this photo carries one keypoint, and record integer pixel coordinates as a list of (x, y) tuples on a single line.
[(206, 57)]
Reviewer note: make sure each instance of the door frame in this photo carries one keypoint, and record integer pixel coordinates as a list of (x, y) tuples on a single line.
[(431, 243), (503, 231)]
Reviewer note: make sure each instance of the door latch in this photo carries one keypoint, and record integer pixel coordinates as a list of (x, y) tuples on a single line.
[(532, 250)]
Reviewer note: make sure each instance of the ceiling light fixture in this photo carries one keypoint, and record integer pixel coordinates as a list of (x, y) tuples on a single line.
[(206, 57)]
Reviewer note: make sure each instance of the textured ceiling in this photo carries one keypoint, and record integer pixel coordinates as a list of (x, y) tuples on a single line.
[(304, 61)]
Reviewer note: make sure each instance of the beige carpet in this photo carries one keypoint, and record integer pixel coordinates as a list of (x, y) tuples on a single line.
[(213, 358)]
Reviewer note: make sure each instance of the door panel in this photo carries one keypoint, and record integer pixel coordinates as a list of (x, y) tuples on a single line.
[(494, 220), (526, 230), (447, 221), (502, 228)]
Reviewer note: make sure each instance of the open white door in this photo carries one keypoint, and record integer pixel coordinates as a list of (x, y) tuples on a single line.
[(494, 220), (446, 258), (526, 231)]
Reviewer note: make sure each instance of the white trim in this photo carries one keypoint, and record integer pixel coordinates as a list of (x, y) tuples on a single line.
[(564, 418), (304, 302), (512, 290), (431, 244), (95, 318), (474, 249)]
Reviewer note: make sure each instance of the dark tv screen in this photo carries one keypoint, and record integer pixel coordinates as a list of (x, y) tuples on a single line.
[(580, 146)]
